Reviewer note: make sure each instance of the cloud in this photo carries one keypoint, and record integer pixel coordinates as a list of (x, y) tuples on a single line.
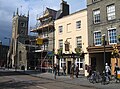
[(35, 7)]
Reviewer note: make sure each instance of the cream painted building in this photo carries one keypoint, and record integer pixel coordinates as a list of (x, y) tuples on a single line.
[(73, 29)]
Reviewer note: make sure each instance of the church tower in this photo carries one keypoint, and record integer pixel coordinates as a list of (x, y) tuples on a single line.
[(19, 25), (19, 33)]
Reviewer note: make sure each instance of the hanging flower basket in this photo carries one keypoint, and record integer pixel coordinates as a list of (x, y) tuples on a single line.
[(78, 50), (119, 38), (60, 51)]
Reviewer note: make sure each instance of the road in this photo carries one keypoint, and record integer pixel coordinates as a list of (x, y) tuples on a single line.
[(17, 80)]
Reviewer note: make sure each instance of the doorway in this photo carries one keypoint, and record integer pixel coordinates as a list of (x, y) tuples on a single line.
[(93, 63), (69, 65)]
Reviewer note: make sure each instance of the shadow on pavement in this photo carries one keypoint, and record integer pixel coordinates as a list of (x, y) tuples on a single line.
[(10, 73), (16, 85)]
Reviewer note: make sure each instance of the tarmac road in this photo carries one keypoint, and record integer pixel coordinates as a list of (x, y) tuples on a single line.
[(17, 80)]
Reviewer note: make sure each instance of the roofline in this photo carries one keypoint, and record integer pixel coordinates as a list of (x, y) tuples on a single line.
[(73, 13)]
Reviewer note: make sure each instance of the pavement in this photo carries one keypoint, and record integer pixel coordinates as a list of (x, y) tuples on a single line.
[(81, 80)]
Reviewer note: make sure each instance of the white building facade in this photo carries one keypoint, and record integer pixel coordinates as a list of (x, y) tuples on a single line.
[(73, 30)]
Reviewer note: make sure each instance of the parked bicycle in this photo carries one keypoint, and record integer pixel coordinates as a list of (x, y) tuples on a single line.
[(95, 77)]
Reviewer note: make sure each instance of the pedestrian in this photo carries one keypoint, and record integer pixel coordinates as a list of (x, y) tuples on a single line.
[(107, 71), (58, 69), (55, 71), (64, 70), (72, 71), (89, 70), (77, 71), (116, 70)]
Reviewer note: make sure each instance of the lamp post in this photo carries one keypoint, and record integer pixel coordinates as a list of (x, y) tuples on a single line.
[(103, 36)]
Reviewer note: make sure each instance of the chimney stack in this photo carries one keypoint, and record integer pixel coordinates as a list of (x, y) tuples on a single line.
[(64, 8)]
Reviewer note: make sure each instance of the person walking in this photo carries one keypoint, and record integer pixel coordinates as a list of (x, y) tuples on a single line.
[(116, 70), (89, 70), (77, 71), (55, 71), (64, 70), (58, 69), (107, 71), (72, 71)]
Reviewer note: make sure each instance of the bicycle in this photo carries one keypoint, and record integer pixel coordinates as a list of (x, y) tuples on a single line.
[(95, 77)]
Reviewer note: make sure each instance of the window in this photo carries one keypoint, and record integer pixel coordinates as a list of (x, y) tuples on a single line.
[(69, 27), (20, 56), (60, 43), (96, 16), (22, 31), (78, 24), (22, 24), (79, 62), (97, 38), (60, 29), (111, 12), (79, 42), (112, 36)]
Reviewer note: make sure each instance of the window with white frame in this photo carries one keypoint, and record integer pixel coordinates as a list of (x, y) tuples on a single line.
[(97, 38), (111, 12), (61, 43), (69, 27), (96, 16), (62, 62), (79, 62), (60, 29), (112, 36), (79, 42), (78, 24)]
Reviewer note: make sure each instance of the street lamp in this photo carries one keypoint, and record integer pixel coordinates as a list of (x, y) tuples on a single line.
[(103, 38)]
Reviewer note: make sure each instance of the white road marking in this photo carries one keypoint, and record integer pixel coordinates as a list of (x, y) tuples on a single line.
[(41, 87)]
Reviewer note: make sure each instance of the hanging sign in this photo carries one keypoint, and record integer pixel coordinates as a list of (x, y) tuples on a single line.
[(39, 41)]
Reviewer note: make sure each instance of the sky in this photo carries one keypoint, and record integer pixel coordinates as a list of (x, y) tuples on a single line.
[(35, 8)]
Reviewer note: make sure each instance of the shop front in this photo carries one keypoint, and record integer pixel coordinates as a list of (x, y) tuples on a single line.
[(68, 59)]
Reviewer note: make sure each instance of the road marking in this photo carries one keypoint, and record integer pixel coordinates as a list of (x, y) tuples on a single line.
[(41, 87)]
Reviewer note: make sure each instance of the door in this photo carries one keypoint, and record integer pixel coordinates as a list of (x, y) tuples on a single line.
[(69, 65), (93, 63)]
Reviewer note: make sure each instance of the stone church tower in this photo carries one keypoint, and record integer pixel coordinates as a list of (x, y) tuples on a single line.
[(19, 36)]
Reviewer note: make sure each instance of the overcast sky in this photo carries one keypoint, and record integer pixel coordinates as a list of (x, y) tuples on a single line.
[(35, 7)]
